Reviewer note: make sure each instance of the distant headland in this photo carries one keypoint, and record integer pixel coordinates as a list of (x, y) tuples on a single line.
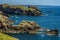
[(20, 10)]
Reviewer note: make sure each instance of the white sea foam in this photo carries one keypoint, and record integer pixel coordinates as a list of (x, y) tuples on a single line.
[(16, 17), (42, 35), (38, 32), (17, 39), (16, 21), (46, 14), (59, 34)]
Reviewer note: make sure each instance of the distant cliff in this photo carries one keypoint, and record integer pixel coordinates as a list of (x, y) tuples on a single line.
[(20, 10)]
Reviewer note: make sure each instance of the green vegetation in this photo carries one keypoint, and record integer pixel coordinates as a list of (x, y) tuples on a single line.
[(16, 6), (6, 37)]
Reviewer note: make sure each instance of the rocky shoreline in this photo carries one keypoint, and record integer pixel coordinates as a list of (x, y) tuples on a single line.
[(25, 26)]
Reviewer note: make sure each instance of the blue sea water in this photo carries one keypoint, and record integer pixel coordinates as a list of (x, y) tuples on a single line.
[(51, 21)]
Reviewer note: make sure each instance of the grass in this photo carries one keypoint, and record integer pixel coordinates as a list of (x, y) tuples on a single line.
[(6, 37), (17, 6)]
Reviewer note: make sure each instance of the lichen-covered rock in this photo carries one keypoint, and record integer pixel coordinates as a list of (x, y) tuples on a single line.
[(29, 26)]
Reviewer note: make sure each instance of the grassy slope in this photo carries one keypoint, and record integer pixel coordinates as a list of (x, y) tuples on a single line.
[(18, 6), (6, 37)]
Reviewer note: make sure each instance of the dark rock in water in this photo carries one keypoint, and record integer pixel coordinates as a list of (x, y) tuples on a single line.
[(52, 32)]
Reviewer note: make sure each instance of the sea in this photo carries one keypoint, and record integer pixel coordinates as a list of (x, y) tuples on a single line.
[(50, 20)]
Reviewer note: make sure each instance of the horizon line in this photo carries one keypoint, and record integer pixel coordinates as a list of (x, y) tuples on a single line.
[(29, 4)]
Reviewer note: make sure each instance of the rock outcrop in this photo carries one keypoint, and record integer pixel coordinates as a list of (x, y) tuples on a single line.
[(52, 32), (29, 26)]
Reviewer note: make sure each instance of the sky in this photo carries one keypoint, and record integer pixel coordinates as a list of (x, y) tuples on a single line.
[(31, 2)]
